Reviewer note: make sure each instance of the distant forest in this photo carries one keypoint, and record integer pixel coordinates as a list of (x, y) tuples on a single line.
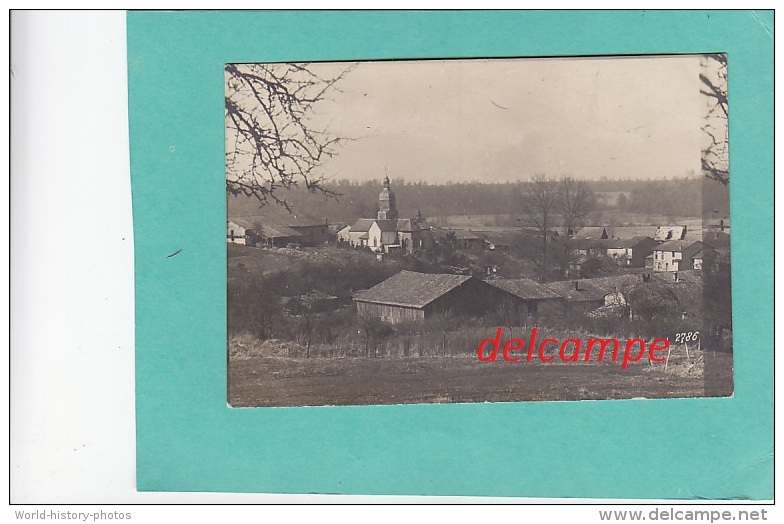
[(682, 197)]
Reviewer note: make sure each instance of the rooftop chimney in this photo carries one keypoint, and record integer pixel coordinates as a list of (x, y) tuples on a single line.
[(576, 285)]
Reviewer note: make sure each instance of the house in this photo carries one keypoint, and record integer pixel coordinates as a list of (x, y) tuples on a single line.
[(631, 251), (460, 239), (593, 233), (277, 232), (311, 233), (677, 292), (235, 233), (502, 247), (414, 297), (703, 257), (587, 248), (356, 235), (259, 233), (578, 295), (665, 233), (675, 255), (535, 299), (387, 232)]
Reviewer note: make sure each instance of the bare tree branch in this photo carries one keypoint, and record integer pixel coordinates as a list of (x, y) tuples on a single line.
[(271, 145), (715, 155)]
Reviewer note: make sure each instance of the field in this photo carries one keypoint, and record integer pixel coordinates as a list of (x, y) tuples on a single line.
[(266, 378)]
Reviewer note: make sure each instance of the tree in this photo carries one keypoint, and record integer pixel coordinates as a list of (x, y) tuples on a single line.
[(575, 201), (540, 199), (715, 155), (271, 142)]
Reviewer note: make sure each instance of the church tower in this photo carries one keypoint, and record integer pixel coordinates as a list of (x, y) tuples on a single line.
[(386, 202)]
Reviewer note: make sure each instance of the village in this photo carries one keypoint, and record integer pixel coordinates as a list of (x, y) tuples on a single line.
[(392, 287), (672, 256)]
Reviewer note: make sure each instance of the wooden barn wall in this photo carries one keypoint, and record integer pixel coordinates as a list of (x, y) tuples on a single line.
[(474, 298), (550, 307), (388, 313)]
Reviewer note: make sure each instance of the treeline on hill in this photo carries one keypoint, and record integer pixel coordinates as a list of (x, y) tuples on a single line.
[(351, 200)]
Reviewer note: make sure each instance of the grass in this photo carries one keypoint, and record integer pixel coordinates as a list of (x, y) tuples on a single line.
[(266, 377)]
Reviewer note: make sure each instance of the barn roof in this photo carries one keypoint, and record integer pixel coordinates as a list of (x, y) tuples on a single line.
[(411, 289), (523, 288)]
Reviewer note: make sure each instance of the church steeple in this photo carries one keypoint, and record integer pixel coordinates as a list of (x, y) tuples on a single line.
[(386, 202)]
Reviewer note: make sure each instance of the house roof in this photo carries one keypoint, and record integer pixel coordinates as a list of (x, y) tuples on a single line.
[(610, 243), (664, 233), (523, 288), (278, 232), (460, 234), (705, 251), (411, 224), (627, 243), (411, 289), (248, 222), (586, 291), (593, 233), (675, 245), (275, 222)]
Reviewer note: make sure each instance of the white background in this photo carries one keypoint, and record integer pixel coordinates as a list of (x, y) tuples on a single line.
[(71, 366)]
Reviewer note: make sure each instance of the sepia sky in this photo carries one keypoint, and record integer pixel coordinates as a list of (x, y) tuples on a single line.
[(501, 120)]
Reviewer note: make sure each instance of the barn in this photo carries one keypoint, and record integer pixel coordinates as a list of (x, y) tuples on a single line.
[(414, 297), (533, 298)]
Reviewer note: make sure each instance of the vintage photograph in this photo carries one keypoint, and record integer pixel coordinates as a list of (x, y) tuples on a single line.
[(478, 230)]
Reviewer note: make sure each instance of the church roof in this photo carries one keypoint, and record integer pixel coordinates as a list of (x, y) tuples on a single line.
[(387, 225), (363, 224)]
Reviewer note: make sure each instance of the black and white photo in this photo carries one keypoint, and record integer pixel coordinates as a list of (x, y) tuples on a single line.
[(478, 230)]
